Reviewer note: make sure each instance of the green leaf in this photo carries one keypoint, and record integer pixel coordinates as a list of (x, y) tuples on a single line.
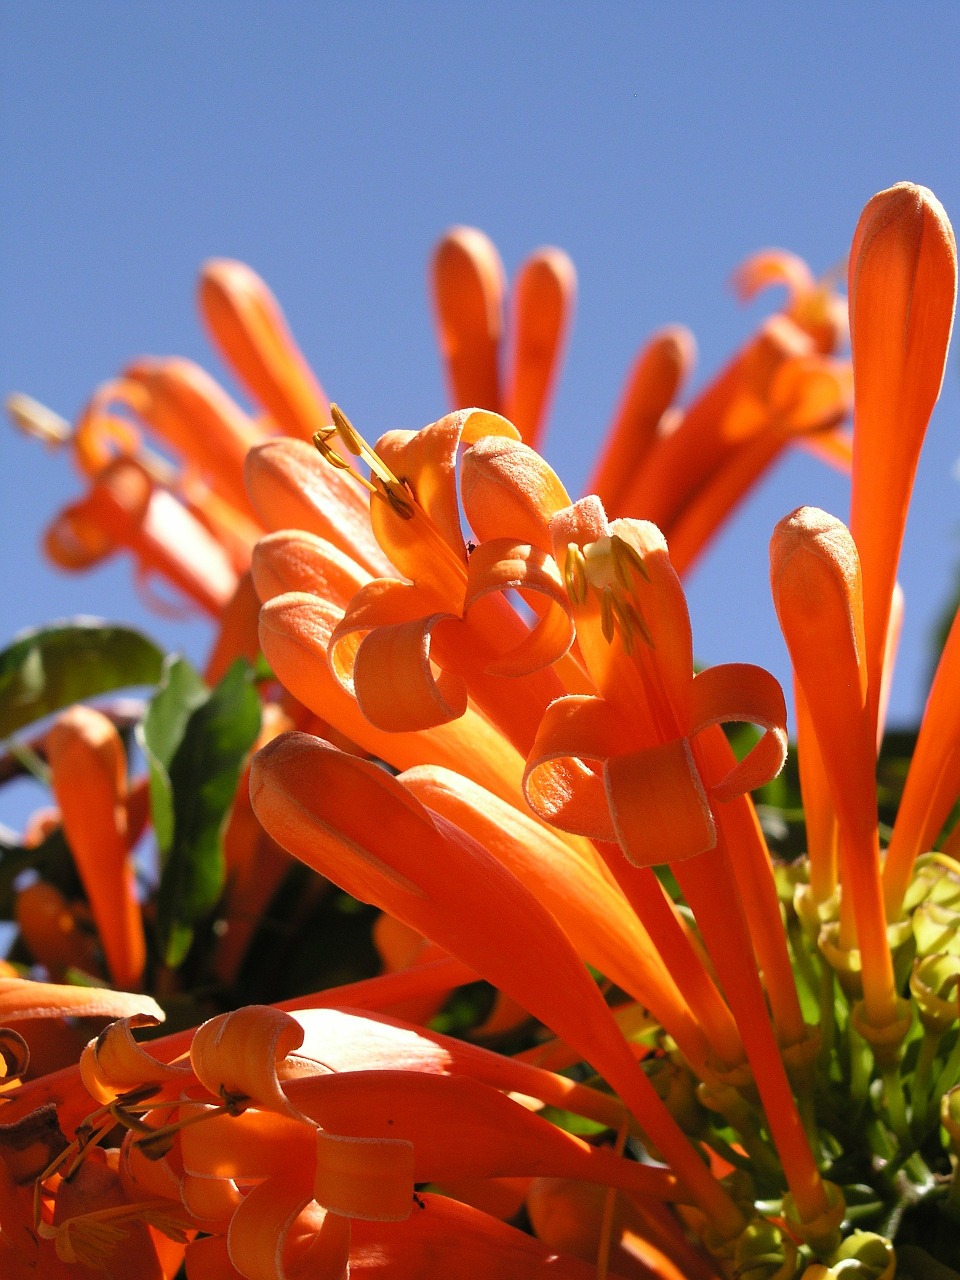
[(203, 774), (180, 693), (53, 667), (51, 858)]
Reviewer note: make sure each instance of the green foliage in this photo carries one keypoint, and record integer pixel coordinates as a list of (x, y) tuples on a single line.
[(51, 668), (181, 692), (199, 743)]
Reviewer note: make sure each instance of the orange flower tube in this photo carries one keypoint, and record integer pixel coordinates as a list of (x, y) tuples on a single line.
[(902, 288), (88, 775), (246, 324), (815, 578)]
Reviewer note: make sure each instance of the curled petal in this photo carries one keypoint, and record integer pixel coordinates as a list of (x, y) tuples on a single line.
[(558, 784), (246, 324), (114, 1063), (296, 631), (770, 267), (390, 671), (737, 692), (543, 299), (423, 546), (468, 288), (658, 804), (394, 679), (504, 565), (279, 1232), (370, 1178), (237, 1053), (508, 491), (247, 1147)]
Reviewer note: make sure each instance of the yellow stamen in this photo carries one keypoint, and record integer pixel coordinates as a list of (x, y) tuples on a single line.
[(384, 483), (608, 566), (575, 575)]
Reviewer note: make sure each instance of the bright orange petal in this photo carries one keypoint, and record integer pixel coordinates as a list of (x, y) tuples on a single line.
[(656, 379), (279, 1232), (737, 692), (88, 775), (508, 491), (468, 288), (543, 299), (296, 631), (594, 915), (291, 487), (815, 578), (245, 322), (903, 285)]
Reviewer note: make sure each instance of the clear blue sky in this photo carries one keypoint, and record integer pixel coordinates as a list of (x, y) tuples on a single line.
[(329, 145)]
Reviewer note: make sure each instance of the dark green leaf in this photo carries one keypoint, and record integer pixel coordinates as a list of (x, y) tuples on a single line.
[(203, 774), (53, 667), (181, 692)]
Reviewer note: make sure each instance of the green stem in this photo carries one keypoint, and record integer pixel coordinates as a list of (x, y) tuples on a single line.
[(949, 1075), (896, 1105), (922, 1074), (861, 1066)]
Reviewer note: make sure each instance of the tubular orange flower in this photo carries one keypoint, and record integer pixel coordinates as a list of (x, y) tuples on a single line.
[(247, 325), (468, 290), (903, 288), (815, 577), (88, 774)]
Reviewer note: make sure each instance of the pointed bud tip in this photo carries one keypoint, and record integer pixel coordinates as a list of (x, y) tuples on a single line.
[(810, 531)]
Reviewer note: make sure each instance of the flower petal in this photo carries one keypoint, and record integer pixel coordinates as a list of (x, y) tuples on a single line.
[(279, 1232), (494, 1136), (291, 487), (503, 565), (468, 287), (903, 285), (236, 1054), (247, 326), (658, 805), (656, 379), (450, 1238), (738, 692), (508, 491), (295, 632), (370, 1178), (543, 298)]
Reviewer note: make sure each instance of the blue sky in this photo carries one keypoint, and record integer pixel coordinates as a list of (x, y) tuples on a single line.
[(329, 145)]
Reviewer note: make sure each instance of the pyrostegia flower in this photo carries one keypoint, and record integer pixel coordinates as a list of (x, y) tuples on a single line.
[(559, 793), (684, 468)]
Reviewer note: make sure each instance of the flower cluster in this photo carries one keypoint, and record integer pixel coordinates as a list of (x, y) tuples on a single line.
[(481, 715)]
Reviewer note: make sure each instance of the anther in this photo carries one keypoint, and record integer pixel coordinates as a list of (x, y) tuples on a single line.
[(625, 557), (607, 602), (575, 574)]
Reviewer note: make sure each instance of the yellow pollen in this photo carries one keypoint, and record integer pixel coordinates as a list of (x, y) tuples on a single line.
[(609, 567), (383, 483)]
